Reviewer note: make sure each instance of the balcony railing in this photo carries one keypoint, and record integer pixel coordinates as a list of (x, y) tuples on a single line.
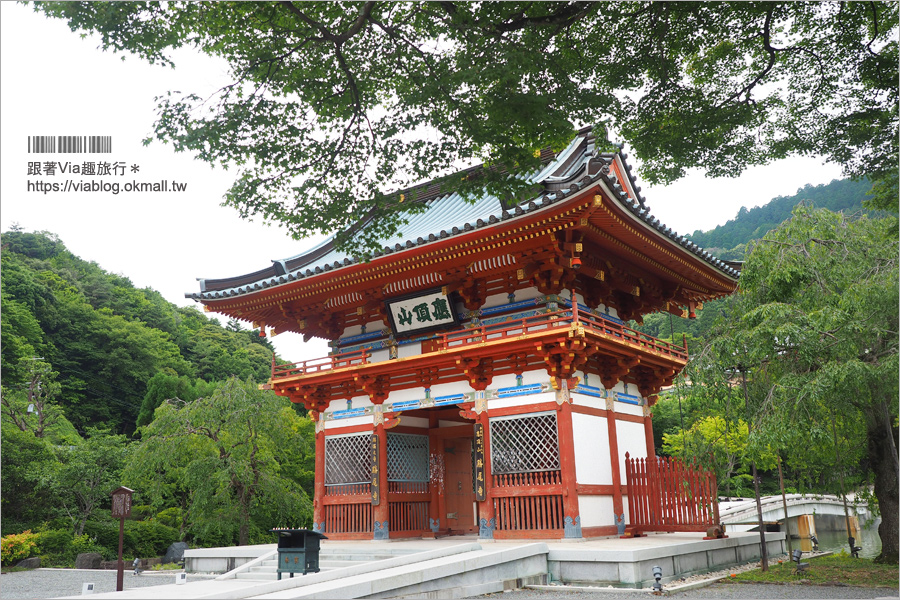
[(514, 328)]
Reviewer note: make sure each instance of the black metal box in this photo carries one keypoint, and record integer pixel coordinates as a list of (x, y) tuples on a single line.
[(298, 551)]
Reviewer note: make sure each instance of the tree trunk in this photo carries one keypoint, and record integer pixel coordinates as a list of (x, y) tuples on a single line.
[(886, 484)]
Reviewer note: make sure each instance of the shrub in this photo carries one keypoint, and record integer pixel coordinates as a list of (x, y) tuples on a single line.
[(59, 547), (140, 512), (15, 547), (107, 535), (171, 517), (153, 538)]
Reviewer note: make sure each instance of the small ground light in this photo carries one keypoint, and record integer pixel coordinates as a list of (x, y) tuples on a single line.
[(657, 574)]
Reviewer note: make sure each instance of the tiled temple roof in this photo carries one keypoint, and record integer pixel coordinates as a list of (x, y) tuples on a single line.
[(562, 175)]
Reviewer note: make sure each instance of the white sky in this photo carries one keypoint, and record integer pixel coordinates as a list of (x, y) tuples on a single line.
[(55, 83)]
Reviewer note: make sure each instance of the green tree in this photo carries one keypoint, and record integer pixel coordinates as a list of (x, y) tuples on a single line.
[(230, 452), (90, 471), (161, 387), (817, 320), (29, 491), (33, 407), (332, 102)]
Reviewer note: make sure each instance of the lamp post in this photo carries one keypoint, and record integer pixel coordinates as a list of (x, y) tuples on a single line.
[(121, 508)]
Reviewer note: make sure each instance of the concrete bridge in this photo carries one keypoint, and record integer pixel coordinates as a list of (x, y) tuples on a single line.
[(739, 514)]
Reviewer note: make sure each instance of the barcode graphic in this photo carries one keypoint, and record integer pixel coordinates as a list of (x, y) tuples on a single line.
[(72, 144)]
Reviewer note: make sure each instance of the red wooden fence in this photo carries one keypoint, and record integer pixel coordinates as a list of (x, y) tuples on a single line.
[(666, 495)]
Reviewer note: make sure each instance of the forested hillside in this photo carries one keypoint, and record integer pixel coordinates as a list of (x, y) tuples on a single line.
[(729, 241), (105, 385), (107, 339)]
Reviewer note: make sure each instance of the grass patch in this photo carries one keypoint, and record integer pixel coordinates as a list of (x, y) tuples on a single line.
[(6, 570), (835, 569), (166, 567)]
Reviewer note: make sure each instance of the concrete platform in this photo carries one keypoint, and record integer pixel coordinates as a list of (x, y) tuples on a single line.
[(466, 566)]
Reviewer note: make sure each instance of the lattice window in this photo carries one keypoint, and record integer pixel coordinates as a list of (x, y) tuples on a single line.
[(347, 459), (524, 444), (407, 457)]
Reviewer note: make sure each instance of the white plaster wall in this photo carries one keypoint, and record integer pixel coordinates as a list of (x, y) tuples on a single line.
[(591, 440), (496, 300), (596, 511), (535, 376), (379, 356), (498, 403), (628, 409), (446, 389), (591, 401), (630, 438), (526, 294), (407, 394), (341, 403), (502, 381), (414, 349), (339, 423)]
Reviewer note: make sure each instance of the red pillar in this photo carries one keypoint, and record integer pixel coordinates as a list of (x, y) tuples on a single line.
[(319, 487), (648, 432), (572, 518), (487, 520), (381, 512), (618, 509)]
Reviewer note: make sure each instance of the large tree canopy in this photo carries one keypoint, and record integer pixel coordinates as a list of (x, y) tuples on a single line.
[(814, 329), (333, 104)]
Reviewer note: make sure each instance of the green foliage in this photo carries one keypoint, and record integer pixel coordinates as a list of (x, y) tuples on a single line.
[(89, 472), (223, 459), (814, 330), (836, 570), (106, 340), (331, 103), (152, 538), (30, 489), (846, 196), (160, 388), (15, 547), (171, 517), (59, 547)]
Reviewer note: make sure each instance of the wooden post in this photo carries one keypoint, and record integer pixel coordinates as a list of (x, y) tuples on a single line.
[(120, 565), (571, 516), (380, 509), (787, 524), (319, 486), (121, 508), (487, 520), (618, 506)]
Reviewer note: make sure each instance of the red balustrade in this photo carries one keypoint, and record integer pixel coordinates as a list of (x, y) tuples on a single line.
[(349, 518), (541, 513), (514, 328), (409, 517), (541, 478), (666, 495), (326, 363)]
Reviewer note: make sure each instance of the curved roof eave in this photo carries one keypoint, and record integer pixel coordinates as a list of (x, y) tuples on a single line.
[(484, 211)]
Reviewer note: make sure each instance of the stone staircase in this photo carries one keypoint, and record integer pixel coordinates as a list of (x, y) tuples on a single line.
[(330, 559)]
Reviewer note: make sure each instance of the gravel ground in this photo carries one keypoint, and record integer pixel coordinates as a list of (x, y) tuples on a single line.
[(742, 591), (53, 583)]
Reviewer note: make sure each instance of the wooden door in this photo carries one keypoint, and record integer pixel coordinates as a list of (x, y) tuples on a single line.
[(459, 493)]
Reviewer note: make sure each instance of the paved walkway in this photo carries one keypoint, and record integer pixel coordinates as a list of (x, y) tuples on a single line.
[(54, 583), (728, 591)]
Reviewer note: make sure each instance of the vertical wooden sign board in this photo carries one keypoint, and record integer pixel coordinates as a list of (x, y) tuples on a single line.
[(376, 468), (480, 488), (121, 508)]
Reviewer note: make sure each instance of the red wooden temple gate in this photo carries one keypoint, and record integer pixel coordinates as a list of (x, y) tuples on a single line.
[(482, 374)]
